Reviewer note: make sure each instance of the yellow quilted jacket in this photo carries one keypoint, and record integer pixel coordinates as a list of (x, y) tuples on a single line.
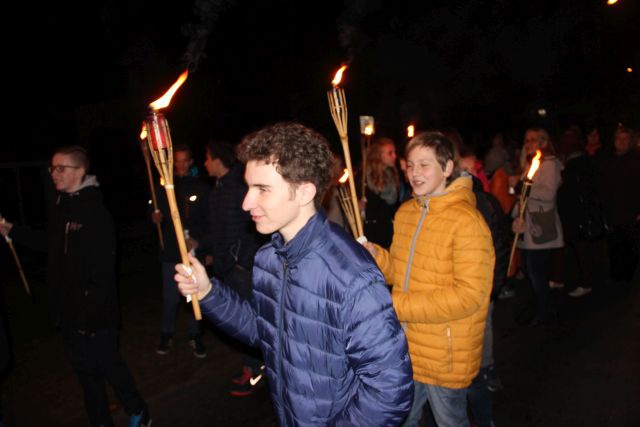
[(441, 267)]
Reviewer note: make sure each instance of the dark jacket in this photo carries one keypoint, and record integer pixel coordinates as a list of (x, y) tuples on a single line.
[(579, 206), (230, 234), (81, 245), (191, 198), (618, 180), (500, 225), (334, 351)]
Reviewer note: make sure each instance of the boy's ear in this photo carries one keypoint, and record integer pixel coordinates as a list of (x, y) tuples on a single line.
[(306, 193), (448, 170)]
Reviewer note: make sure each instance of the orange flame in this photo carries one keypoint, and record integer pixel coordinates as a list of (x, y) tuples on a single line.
[(143, 132), (165, 99), (411, 130), (535, 164), (336, 80), (344, 177)]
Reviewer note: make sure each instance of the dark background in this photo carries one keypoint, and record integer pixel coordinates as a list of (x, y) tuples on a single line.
[(85, 72)]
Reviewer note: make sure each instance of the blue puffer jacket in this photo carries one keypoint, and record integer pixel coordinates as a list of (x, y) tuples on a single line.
[(334, 351)]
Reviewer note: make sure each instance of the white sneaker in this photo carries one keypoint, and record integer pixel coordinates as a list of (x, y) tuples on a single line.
[(579, 292)]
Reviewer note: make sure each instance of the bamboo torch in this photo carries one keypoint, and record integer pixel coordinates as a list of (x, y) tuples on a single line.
[(17, 261), (338, 108), (147, 161), (159, 140), (524, 198), (344, 197)]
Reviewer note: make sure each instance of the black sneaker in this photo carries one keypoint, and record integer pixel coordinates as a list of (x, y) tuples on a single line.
[(140, 419), (166, 341), (198, 347)]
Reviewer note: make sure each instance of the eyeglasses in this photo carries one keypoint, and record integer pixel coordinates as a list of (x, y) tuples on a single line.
[(61, 168)]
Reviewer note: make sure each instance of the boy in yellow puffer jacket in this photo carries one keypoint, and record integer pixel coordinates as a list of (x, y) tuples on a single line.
[(441, 267)]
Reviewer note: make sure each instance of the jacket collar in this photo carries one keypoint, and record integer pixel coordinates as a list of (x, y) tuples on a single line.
[(460, 190), (302, 243)]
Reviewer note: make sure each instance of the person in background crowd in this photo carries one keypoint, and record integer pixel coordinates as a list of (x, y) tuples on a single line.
[(498, 156), (540, 230), (191, 198), (441, 265), (230, 242), (381, 191), (618, 184), (80, 242), (334, 351), (480, 401), (593, 145), (582, 220)]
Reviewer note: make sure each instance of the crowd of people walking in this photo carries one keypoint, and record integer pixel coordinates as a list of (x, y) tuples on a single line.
[(346, 331)]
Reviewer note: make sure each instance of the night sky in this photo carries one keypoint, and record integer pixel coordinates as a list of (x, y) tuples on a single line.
[(89, 69)]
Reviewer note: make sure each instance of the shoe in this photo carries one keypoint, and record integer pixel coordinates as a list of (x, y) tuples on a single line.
[(244, 377), (493, 382), (579, 292), (198, 347), (141, 419), (555, 285), (249, 386), (166, 341)]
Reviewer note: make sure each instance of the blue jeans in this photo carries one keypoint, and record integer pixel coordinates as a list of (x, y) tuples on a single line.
[(171, 300), (449, 405)]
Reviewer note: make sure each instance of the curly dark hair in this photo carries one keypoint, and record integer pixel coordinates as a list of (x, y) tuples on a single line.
[(298, 153)]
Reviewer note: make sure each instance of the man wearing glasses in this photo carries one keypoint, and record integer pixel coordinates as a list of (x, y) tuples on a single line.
[(81, 247)]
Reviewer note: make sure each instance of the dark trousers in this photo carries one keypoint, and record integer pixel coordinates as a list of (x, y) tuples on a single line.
[(585, 261), (171, 300), (624, 244), (537, 267), (95, 357)]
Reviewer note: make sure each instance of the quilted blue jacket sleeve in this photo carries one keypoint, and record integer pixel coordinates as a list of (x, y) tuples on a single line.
[(234, 315), (377, 350)]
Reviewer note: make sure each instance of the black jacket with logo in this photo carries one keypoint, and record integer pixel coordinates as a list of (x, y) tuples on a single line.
[(80, 242)]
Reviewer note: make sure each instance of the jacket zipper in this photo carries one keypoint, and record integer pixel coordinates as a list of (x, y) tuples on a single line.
[(66, 237), (280, 331), (449, 348), (414, 240)]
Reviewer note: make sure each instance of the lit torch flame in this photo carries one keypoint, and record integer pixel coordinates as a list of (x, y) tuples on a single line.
[(143, 132), (535, 164), (165, 99), (411, 130), (336, 80), (344, 177)]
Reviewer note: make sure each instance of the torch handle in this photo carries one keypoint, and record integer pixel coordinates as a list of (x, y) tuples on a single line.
[(154, 199), (352, 186), (18, 265), (524, 198), (182, 244)]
